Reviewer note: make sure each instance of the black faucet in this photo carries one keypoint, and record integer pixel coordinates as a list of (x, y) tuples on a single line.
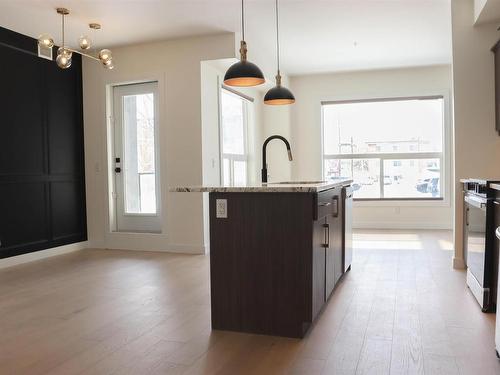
[(264, 159)]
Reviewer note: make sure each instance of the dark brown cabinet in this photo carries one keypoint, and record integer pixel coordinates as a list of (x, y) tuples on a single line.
[(274, 260), (319, 266), (334, 244)]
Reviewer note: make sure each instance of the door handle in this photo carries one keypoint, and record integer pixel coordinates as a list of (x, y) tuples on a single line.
[(467, 216), (118, 170), (327, 235), (324, 204)]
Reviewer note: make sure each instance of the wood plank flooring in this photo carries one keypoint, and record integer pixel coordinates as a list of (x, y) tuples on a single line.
[(401, 310)]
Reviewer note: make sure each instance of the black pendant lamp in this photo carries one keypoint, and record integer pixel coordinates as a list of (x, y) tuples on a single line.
[(243, 73), (278, 95)]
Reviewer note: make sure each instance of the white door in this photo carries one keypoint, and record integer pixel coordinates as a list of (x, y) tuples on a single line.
[(137, 182)]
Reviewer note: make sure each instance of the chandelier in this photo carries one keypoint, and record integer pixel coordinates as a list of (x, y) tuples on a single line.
[(65, 53)]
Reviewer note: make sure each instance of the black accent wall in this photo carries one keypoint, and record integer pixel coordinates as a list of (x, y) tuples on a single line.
[(42, 180)]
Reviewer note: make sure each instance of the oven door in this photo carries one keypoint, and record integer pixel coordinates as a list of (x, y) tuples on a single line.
[(475, 235)]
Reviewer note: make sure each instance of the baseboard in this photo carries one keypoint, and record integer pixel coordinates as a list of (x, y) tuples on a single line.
[(175, 249), (42, 254), (146, 242), (399, 225), (458, 263)]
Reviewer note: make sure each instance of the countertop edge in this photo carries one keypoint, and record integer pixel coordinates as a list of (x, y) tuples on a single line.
[(271, 188)]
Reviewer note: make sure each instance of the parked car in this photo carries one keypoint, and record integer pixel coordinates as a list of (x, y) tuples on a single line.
[(428, 185), (355, 186)]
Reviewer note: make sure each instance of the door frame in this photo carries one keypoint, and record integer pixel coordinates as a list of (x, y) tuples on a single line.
[(112, 185)]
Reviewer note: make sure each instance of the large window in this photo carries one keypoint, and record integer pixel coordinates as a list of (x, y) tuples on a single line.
[(392, 149), (234, 139)]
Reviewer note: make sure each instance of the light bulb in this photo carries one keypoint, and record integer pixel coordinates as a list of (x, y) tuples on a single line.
[(46, 40), (105, 55), (64, 51), (63, 61), (84, 42), (108, 64)]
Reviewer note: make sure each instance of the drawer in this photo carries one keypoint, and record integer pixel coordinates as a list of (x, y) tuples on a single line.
[(327, 203)]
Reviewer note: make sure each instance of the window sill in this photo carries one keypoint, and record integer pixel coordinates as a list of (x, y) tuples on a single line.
[(402, 202)]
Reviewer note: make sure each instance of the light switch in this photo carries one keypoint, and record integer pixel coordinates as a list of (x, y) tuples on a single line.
[(221, 208)]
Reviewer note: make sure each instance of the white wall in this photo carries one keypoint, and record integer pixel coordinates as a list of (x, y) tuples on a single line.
[(306, 134), (477, 145), (176, 66)]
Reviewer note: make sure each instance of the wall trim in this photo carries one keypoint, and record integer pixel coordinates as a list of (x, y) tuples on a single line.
[(171, 249), (42, 254), (400, 225)]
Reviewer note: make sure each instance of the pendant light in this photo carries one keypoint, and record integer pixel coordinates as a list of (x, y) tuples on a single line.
[(278, 95), (243, 73)]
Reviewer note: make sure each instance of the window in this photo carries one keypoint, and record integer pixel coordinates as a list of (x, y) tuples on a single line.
[(391, 148), (234, 139)]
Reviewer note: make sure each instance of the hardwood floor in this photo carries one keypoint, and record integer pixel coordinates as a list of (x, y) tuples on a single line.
[(401, 310)]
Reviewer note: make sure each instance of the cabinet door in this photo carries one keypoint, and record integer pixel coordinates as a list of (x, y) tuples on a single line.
[(334, 249), (330, 258), (318, 277)]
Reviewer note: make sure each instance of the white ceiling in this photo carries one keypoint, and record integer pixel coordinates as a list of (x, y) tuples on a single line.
[(316, 35), (487, 11)]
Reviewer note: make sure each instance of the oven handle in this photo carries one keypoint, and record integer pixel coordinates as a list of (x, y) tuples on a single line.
[(476, 202)]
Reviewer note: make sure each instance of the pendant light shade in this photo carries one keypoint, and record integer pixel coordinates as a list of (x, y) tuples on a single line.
[(243, 73), (278, 95)]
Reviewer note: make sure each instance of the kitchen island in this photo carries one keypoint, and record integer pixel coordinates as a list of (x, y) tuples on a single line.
[(276, 253)]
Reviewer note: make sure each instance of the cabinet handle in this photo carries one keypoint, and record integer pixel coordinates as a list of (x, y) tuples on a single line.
[(336, 206), (467, 216), (327, 235)]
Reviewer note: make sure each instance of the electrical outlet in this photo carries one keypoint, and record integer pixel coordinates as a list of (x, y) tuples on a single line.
[(221, 208)]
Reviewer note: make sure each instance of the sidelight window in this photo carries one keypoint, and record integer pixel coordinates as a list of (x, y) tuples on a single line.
[(391, 148)]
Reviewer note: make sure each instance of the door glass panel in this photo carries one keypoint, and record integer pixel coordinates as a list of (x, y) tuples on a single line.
[(411, 178), (139, 153)]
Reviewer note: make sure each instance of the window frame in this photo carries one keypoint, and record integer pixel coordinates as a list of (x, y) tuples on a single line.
[(443, 156), (230, 156)]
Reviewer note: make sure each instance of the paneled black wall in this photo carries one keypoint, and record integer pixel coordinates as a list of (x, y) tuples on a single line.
[(42, 181)]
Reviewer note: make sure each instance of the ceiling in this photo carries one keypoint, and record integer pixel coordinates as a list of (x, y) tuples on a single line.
[(487, 11), (316, 35)]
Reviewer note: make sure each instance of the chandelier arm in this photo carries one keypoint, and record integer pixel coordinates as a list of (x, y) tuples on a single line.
[(83, 54)]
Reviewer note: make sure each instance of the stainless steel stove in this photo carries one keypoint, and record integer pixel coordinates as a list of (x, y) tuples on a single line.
[(479, 241)]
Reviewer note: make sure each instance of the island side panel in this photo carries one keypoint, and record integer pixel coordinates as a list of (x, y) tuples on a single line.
[(261, 263)]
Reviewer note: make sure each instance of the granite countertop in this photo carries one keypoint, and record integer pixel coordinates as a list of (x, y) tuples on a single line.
[(280, 187)]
